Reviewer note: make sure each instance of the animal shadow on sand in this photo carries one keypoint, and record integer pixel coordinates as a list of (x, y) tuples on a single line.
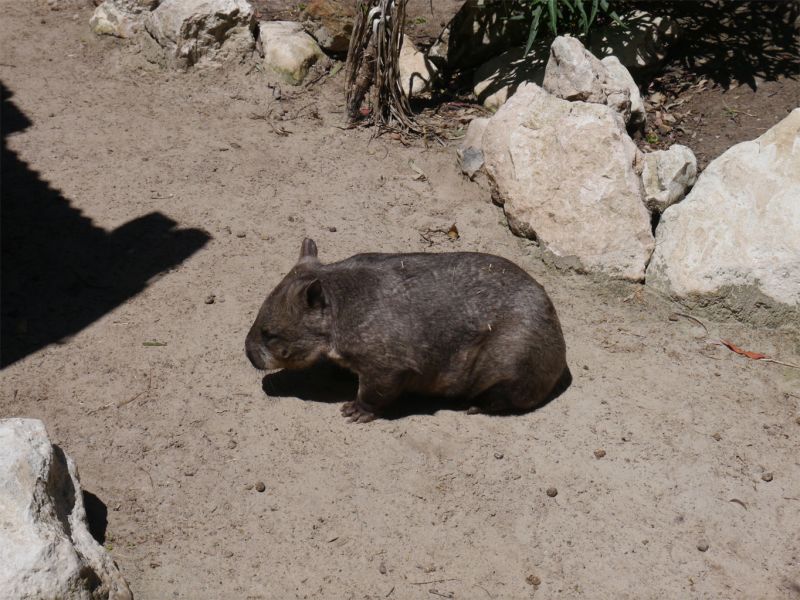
[(327, 382)]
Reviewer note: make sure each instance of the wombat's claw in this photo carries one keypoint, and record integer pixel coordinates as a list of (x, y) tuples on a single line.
[(356, 413)]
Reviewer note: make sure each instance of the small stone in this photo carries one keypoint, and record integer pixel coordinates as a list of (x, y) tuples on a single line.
[(627, 437), (702, 546), (260, 487), (767, 476), (599, 453), (332, 229), (797, 420), (210, 299), (552, 492), (382, 569), (498, 455), (533, 580), (231, 444), (241, 234), (717, 437), (189, 472)]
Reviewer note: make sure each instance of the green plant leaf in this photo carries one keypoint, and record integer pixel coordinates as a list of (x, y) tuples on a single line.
[(584, 19), (553, 13), (537, 13)]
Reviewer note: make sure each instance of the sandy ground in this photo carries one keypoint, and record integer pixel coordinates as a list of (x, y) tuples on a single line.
[(142, 192)]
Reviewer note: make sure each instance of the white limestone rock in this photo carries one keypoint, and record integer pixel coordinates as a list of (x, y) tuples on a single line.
[(569, 176), (46, 550)]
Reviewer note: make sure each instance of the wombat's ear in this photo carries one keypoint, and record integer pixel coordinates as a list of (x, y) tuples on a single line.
[(315, 295), (308, 251)]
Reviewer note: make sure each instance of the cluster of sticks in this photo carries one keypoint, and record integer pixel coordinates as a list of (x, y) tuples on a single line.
[(373, 64)]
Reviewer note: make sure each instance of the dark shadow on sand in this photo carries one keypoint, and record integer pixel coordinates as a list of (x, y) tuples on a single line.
[(326, 382), (60, 272)]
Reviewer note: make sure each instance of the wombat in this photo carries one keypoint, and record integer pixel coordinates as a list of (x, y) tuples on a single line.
[(462, 324)]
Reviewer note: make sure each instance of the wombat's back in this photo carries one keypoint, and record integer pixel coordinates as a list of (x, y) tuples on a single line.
[(463, 323)]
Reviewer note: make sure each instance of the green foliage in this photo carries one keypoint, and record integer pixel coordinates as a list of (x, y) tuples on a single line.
[(563, 16)]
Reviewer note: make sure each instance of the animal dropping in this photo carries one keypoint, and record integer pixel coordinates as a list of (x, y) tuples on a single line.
[(416, 323)]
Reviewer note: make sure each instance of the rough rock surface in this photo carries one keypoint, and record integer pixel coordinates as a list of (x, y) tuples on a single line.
[(416, 71), (288, 50), (193, 30), (667, 175), (46, 550), (499, 78), (622, 78), (331, 23), (573, 73), (470, 152), (583, 204), (120, 18), (734, 241), (640, 45)]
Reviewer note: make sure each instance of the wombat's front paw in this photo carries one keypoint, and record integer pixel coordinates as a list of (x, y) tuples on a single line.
[(356, 413)]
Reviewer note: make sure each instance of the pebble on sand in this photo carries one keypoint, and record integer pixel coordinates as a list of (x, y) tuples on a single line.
[(702, 546), (260, 487), (599, 453), (767, 476), (533, 580), (552, 492)]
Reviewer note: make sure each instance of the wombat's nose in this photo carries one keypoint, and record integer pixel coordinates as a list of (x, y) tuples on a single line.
[(254, 353)]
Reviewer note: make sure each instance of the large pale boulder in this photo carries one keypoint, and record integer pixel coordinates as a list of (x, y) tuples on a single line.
[(46, 550), (120, 18), (573, 73), (288, 50), (416, 71), (734, 241), (195, 30), (667, 175), (497, 79), (569, 176)]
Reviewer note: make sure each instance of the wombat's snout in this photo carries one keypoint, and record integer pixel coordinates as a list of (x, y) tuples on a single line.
[(256, 353)]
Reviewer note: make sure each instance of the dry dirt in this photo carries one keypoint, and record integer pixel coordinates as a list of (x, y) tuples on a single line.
[(131, 194)]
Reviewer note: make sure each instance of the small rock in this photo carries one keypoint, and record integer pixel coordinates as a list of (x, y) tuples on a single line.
[(667, 175), (210, 299), (599, 453), (382, 569), (416, 71), (552, 492), (260, 487), (332, 229), (498, 455), (241, 234), (717, 437), (573, 73), (626, 437), (533, 580), (231, 444), (702, 546), (288, 50), (767, 476)]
